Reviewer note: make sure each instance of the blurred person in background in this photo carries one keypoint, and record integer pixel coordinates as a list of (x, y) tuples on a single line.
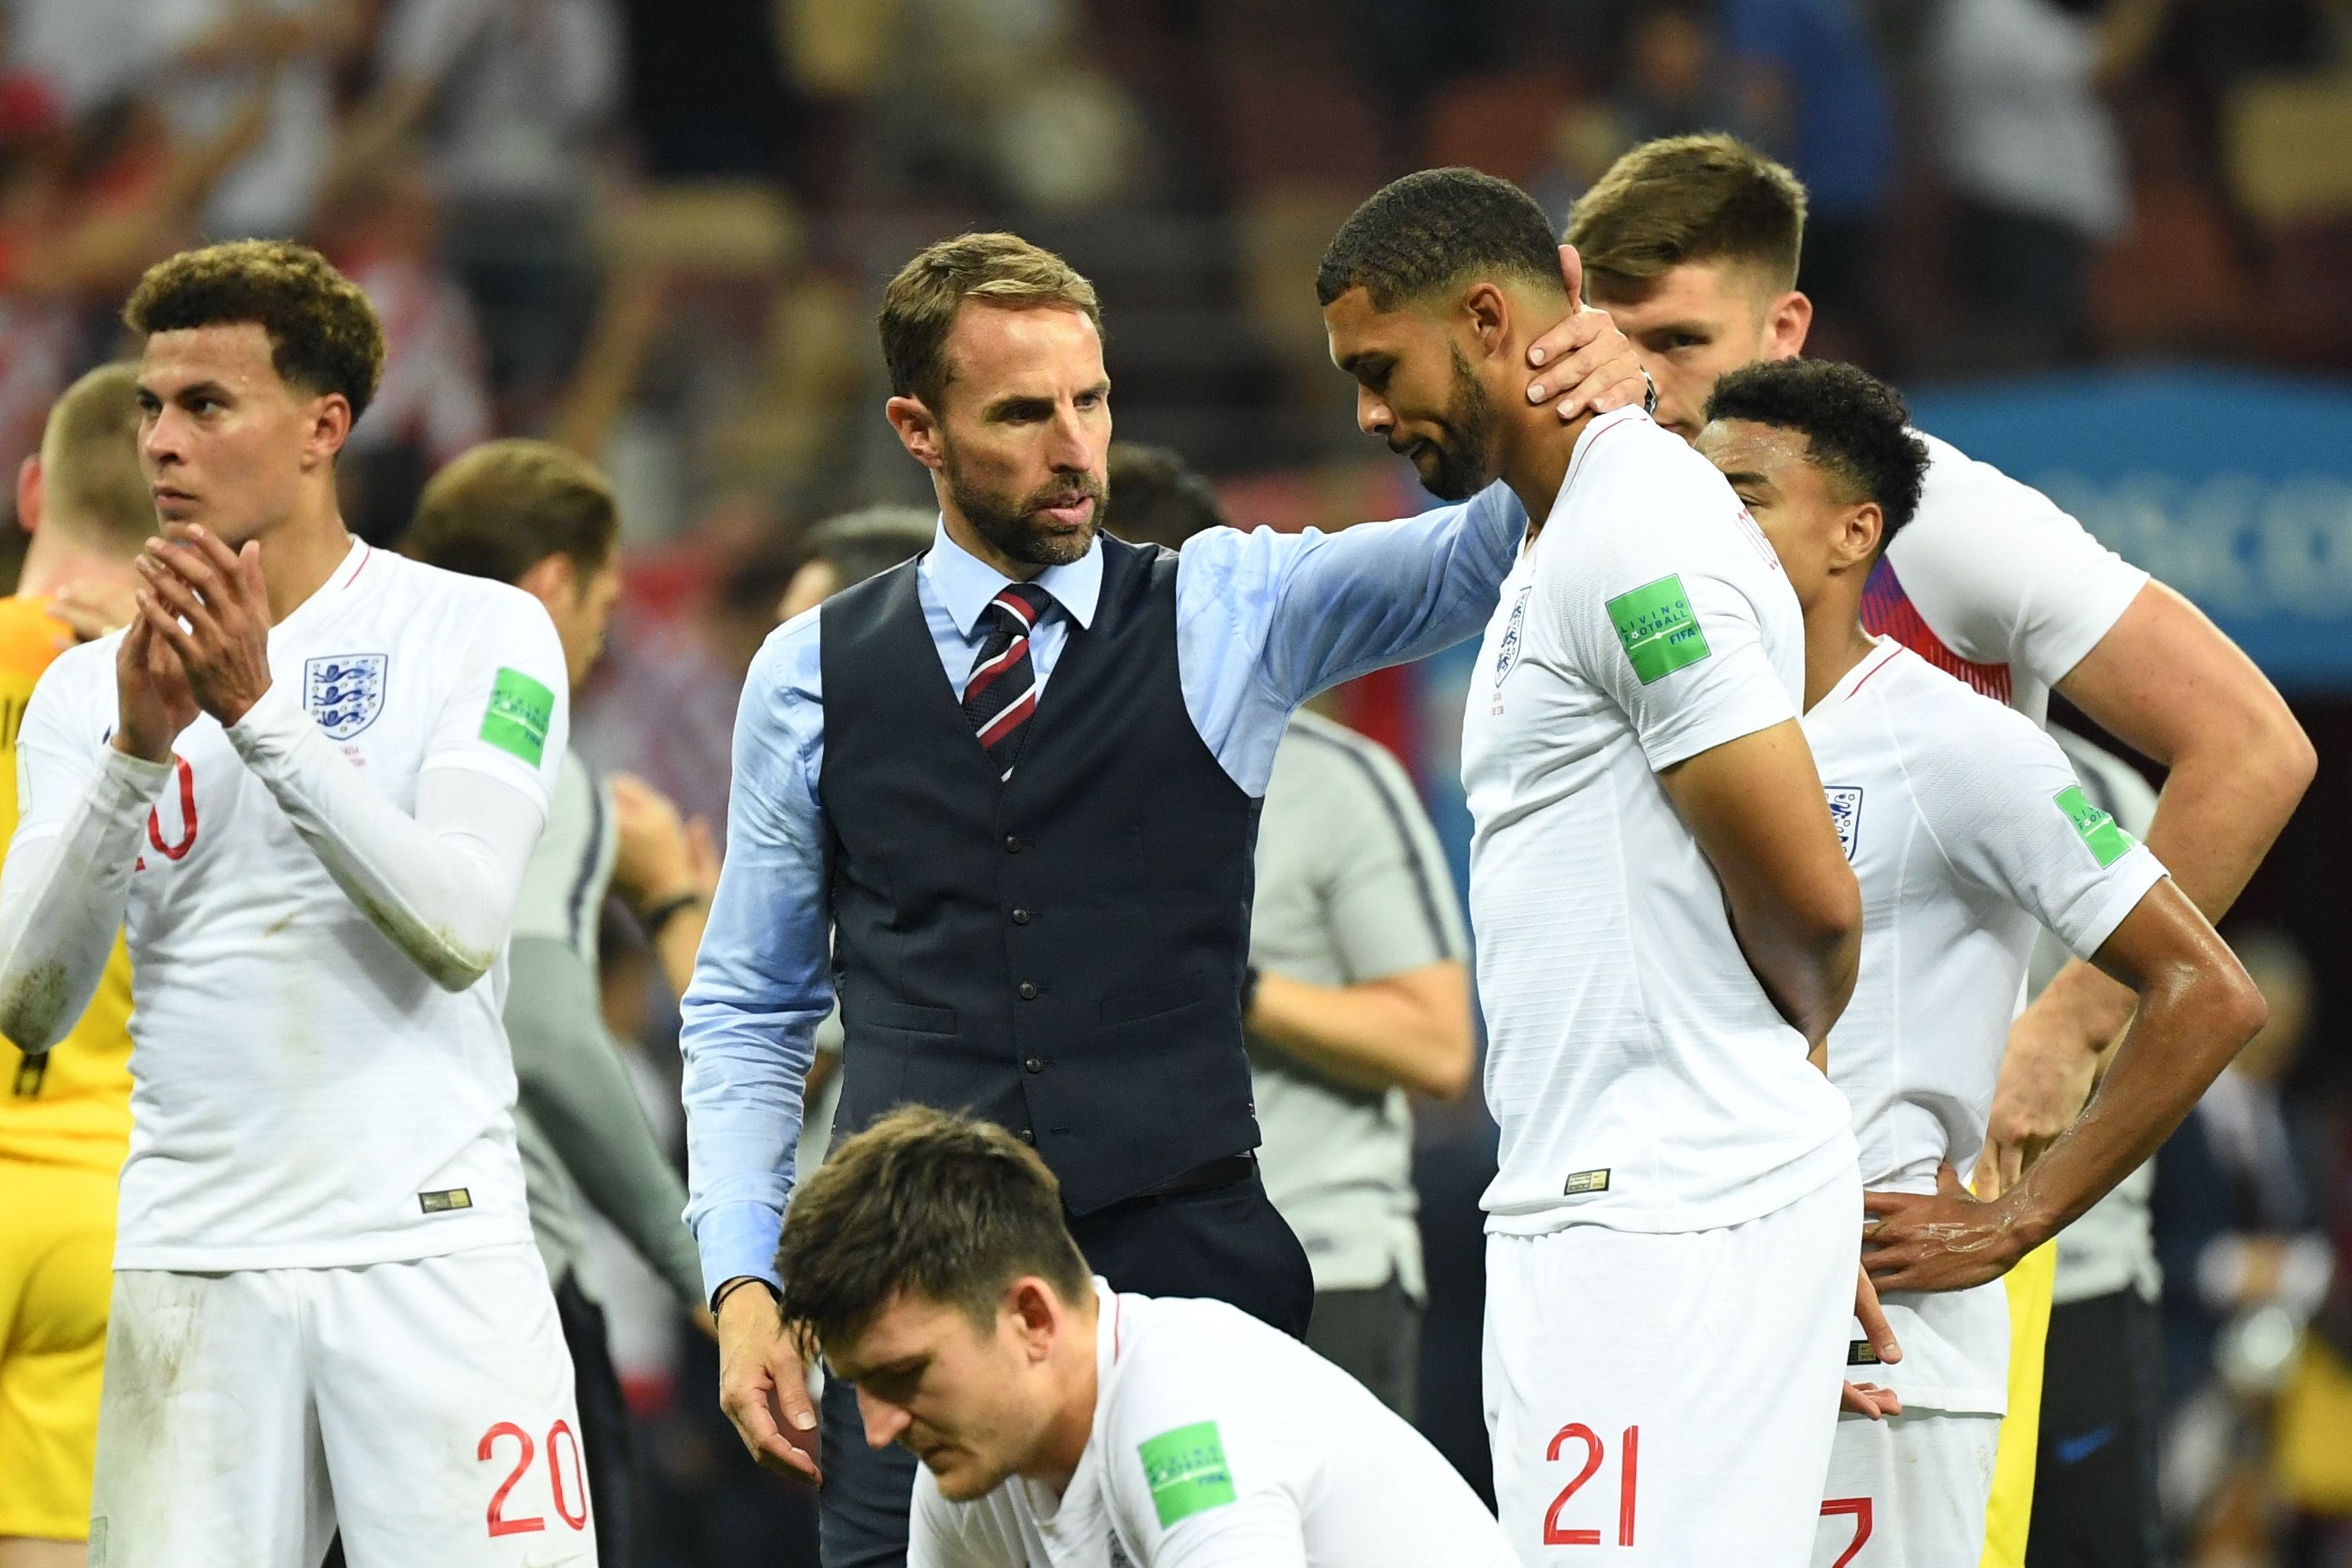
[(512, 101), (65, 1113), (84, 206), (835, 555), (2095, 1477), (382, 228), (1358, 991), (540, 518), (1813, 90), (1694, 245), (2033, 154)]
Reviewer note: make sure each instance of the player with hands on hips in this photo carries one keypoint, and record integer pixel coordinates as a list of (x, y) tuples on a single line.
[(1968, 832)]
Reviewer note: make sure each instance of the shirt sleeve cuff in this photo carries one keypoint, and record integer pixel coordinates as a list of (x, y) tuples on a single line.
[(2124, 888), (272, 725), (736, 1239)]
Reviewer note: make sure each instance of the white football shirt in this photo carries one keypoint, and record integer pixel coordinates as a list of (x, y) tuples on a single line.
[(1641, 1077), (303, 1096), (1220, 1443), (1969, 832), (1991, 583)]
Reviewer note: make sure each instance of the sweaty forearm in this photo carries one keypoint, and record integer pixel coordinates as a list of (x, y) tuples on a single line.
[(61, 902), (442, 884), (1373, 1036), (2190, 1023)]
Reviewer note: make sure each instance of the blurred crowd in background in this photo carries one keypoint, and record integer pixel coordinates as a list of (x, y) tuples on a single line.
[(656, 231)]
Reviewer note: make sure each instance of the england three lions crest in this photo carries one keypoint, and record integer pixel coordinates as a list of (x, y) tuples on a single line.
[(344, 692), (1845, 810)]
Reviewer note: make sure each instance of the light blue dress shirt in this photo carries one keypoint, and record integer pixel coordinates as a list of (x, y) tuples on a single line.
[(1264, 621)]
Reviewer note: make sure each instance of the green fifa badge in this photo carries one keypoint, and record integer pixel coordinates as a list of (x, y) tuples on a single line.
[(1660, 634), (520, 712), (2105, 838), (1187, 1473)]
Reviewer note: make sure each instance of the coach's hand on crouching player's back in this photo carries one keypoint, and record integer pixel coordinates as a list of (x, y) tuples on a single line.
[(210, 605), (762, 1386)]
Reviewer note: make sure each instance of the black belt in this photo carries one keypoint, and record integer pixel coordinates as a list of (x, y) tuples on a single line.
[(1222, 1171)]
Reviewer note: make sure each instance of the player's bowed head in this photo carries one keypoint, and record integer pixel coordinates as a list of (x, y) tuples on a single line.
[(927, 1262), (259, 358), (1432, 291)]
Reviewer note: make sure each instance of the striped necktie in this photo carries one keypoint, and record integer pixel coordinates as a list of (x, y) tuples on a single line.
[(999, 697)]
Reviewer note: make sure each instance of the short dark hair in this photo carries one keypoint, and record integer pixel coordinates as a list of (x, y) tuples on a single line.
[(868, 541), (324, 336), (1418, 233), (1857, 427), (502, 508), (921, 304), (1689, 198), (930, 1202), (1156, 498)]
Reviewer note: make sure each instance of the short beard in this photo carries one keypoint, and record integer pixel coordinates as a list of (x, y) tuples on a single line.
[(1010, 528), (1466, 457)]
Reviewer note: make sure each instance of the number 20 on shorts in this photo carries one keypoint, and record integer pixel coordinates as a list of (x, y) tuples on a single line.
[(559, 1437), (1629, 1459)]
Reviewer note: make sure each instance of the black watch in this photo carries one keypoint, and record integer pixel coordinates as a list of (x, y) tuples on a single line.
[(1649, 393)]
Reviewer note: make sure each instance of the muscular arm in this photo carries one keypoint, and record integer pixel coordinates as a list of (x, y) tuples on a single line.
[(572, 1081), (2167, 682), (1410, 1030), (442, 884), (1755, 806), (2195, 1009)]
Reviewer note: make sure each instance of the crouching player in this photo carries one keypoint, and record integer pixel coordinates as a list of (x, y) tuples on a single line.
[(1967, 831), (1060, 1422)]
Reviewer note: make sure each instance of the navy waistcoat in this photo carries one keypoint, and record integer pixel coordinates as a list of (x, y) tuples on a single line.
[(1063, 953)]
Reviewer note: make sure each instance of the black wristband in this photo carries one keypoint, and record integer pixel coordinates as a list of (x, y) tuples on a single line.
[(660, 915), (719, 1297)]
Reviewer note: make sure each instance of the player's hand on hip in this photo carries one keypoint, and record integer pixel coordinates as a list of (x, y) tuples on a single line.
[(152, 703), (763, 1386), (209, 603), (1945, 1240), (1584, 360), (1868, 1398), (2046, 1074)]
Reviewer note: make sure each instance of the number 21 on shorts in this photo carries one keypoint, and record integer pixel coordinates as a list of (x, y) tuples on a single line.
[(1577, 1434)]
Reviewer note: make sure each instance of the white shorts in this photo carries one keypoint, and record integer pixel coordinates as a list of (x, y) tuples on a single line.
[(426, 1407), (1907, 1492), (1670, 1395)]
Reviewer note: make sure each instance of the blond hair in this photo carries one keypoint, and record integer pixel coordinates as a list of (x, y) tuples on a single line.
[(1684, 199), (919, 307), (91, 485)]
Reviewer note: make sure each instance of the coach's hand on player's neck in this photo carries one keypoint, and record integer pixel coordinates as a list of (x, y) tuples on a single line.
[(228, 443), (1442, 380)]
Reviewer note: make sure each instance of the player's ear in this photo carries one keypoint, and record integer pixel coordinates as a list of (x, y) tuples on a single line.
[(28, 493), (551, 580), (1487, 314), (330, 425), (1865, 525), (1787, 320), (917, 428), (1036, 1312)]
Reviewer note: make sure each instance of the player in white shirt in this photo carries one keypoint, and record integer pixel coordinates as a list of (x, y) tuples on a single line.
[(1666, 924), (1969, 833), (1692, 245), (305, 783), (1063, 1424)]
